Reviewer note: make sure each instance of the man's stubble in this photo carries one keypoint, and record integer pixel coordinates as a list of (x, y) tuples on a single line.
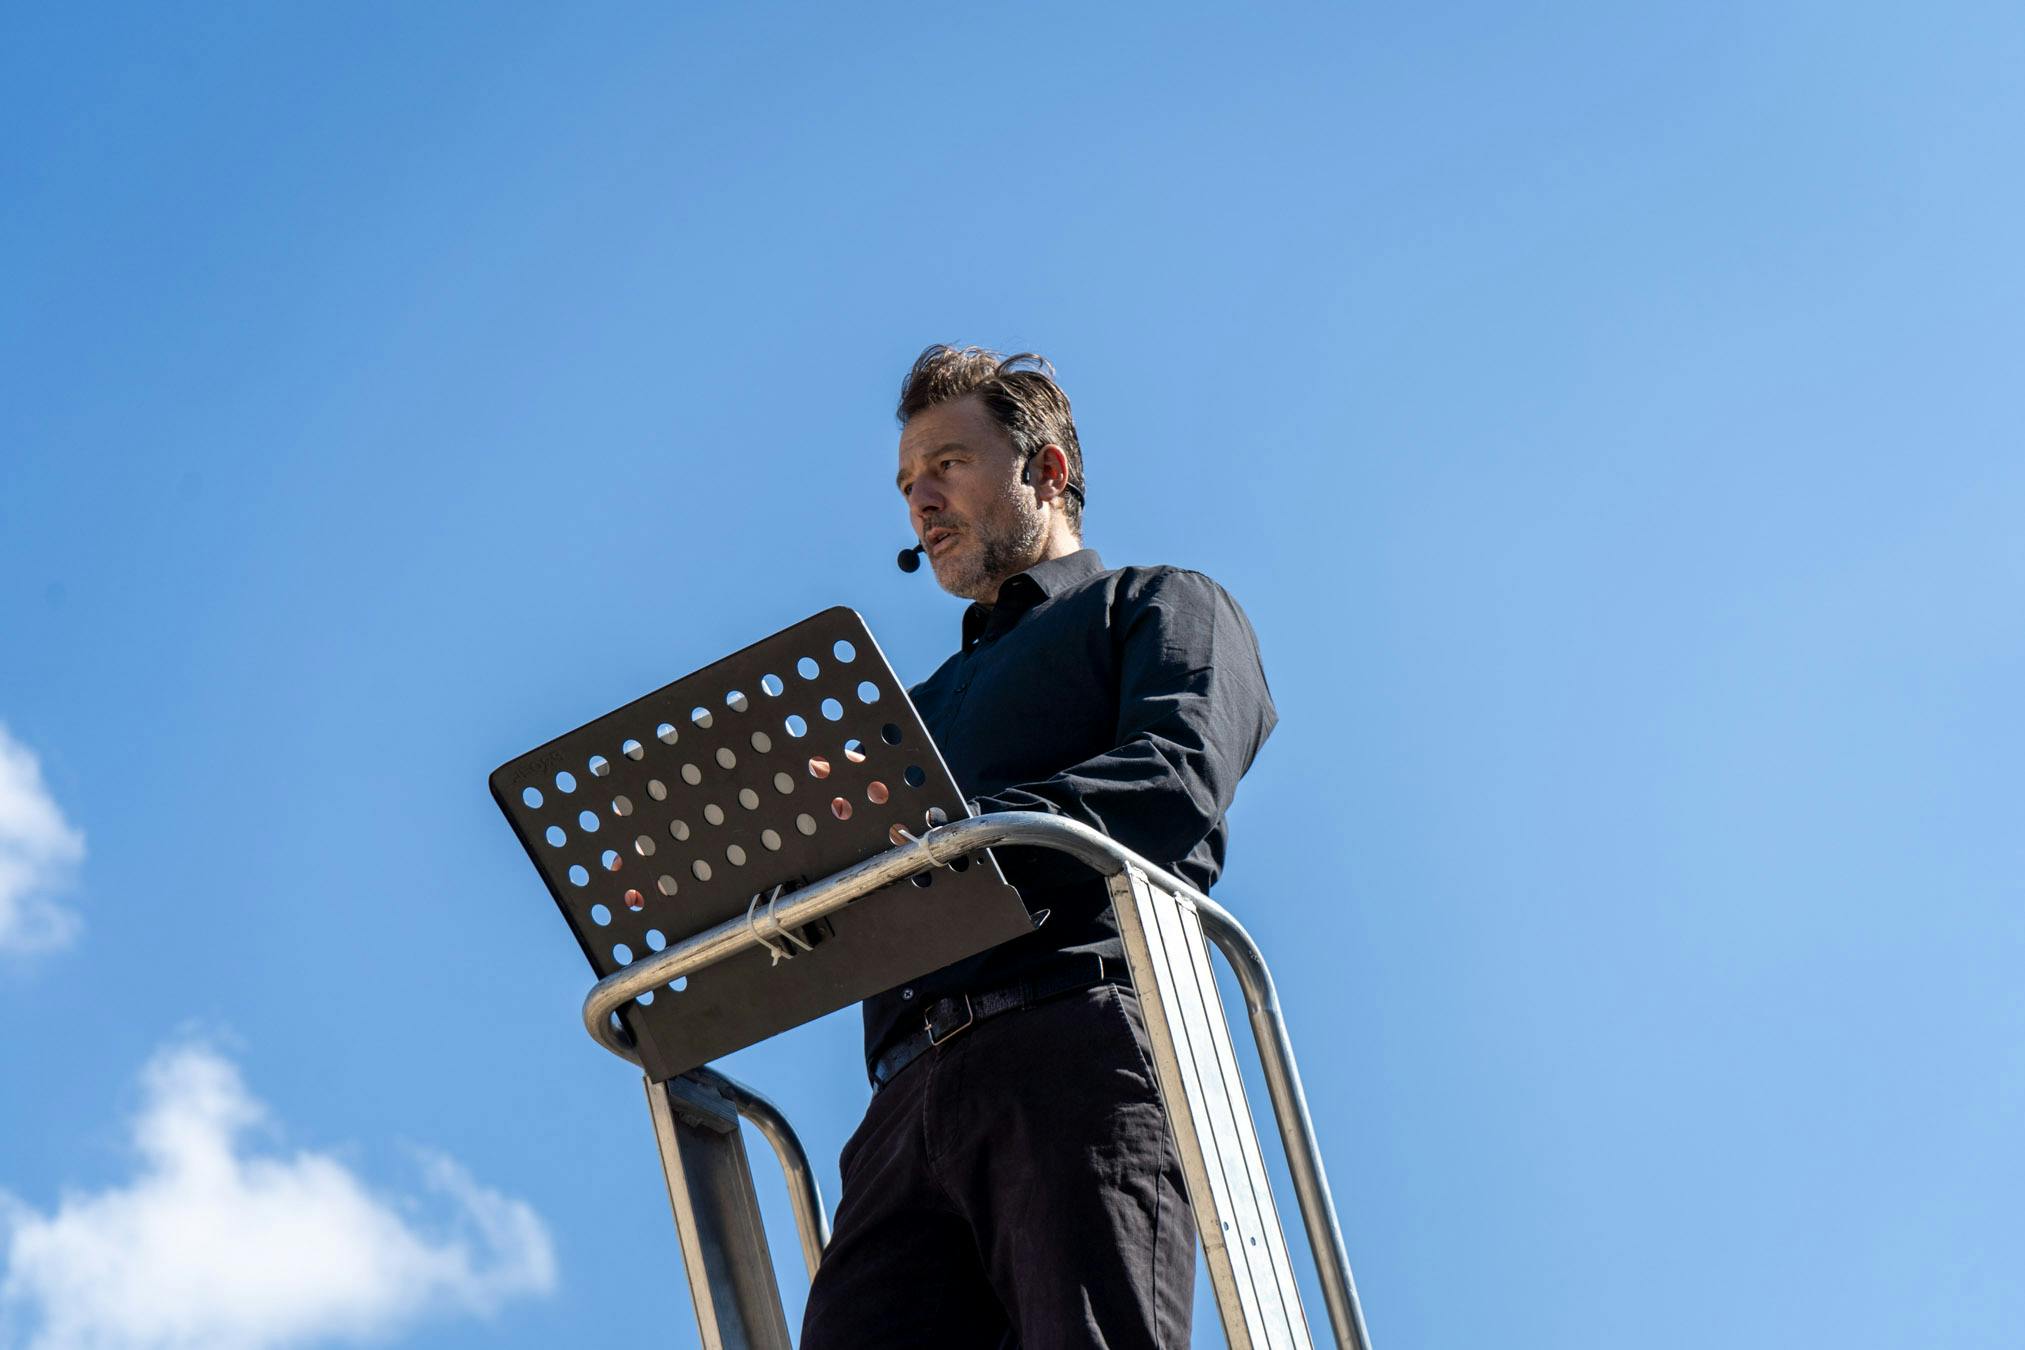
[(1008, 543)]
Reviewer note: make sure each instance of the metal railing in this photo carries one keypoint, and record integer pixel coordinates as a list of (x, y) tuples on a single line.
[(945, 844), (805, 1193)]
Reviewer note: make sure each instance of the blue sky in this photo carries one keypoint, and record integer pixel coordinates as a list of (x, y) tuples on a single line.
[(1607, 418)]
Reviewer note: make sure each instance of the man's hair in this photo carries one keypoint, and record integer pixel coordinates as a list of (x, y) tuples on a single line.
[(1018, 391)]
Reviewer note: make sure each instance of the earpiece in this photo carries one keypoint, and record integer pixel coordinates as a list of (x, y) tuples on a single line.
[(1027, 477)]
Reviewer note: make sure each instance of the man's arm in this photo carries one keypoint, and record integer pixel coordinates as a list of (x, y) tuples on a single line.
[(1193, 710)]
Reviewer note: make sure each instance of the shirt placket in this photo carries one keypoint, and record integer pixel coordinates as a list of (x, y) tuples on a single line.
[(973, 657)]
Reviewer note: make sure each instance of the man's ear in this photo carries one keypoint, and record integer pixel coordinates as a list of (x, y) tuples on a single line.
[(1051, 480)]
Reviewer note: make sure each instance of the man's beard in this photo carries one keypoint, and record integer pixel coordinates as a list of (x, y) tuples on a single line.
[(997, 550)]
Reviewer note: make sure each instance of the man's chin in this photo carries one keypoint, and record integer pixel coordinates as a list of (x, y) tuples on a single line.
[(961, 582)]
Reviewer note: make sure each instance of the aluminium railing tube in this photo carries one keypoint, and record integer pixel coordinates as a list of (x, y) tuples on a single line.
[(1290, 1111), (944, 844), (805, 1193)]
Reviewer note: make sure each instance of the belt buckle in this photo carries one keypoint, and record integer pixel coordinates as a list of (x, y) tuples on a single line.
[(969, 1016)]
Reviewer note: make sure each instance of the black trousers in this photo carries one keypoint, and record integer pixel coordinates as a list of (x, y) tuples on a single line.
[(1015, 1186)]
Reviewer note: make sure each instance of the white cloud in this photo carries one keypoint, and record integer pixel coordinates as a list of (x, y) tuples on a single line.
[(213, 1245), (38, 847)]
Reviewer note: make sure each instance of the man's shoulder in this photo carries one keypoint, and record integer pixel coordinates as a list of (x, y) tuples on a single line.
[(1186, 607), (1167, 584)]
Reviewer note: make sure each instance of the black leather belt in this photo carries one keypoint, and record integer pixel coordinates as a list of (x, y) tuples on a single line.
[(947, 1018)]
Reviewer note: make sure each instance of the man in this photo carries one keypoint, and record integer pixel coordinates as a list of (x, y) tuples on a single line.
[(1013, 1182)]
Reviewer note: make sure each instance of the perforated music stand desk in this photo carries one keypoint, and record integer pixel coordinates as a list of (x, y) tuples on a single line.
[(781, 764)]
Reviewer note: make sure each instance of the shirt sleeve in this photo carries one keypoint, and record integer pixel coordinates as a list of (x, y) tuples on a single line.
[(1193, 711)]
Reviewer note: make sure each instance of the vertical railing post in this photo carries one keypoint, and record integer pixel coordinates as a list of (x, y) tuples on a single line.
[(1196, 1066), (724, 1251)]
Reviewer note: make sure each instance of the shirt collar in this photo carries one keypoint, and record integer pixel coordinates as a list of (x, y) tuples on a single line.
[(1023, 590)]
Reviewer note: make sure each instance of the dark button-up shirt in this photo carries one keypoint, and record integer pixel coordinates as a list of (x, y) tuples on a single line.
[(1131, 699)]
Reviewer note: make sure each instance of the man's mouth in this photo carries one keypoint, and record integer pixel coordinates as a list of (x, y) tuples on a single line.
[(938, 540)]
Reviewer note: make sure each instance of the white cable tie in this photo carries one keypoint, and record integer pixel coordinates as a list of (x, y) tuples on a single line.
[(752, 926), (918, 842), (766, 939), (790, 934)]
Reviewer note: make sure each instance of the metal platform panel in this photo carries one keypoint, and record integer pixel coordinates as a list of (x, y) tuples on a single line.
[(779, 765)]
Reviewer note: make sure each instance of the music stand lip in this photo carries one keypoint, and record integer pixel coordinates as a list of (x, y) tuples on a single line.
[(758, 929)]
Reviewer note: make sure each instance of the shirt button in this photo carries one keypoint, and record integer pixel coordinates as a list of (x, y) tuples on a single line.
[(906, 994)]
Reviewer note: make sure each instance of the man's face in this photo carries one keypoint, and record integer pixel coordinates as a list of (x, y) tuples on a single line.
[(961, 477)]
